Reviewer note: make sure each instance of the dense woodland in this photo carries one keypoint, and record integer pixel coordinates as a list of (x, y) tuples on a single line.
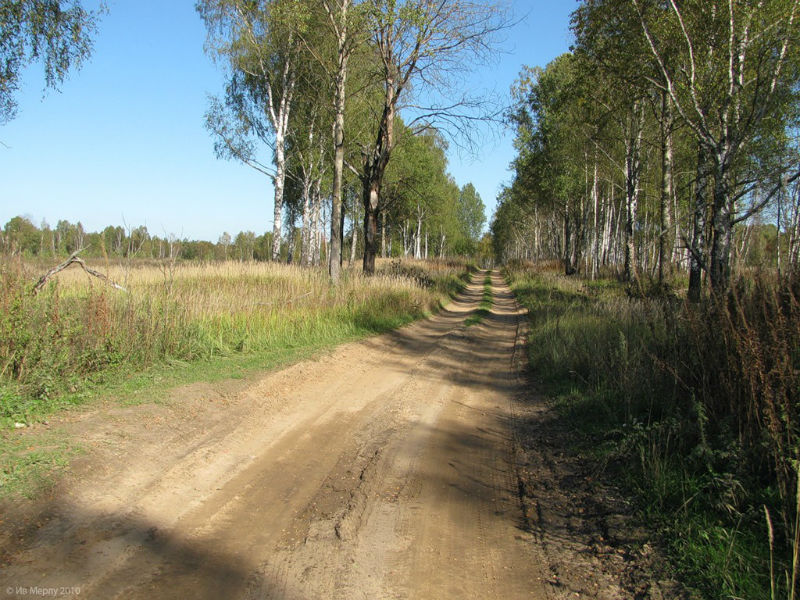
[(665, 140)]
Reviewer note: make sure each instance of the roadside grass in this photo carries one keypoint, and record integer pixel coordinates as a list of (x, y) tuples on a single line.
[(485, 307), (693, 409), (78, 341), (27, 465)]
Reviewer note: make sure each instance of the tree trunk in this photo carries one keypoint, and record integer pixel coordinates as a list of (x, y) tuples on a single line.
[(341, 236), (372, 178), (595, 236), (630, 247), (315, 219), (567, 250), (794, 231), (383, 234), (633, 142), (290, 244), (617, 239), (642, 242), (342, 57), (722, 230), (371, 207), (305, 234), (609, 219), (338, 167), (278, 182), (697, 250), (778, 234), (581, 225), (322, 243), (354, 237), (665, 225), (418, 235), (280, 121)]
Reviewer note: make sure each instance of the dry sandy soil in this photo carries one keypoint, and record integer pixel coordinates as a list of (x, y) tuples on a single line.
[(411, 465)]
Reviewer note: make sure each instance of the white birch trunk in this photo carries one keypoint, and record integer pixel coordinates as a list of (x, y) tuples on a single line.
[(418, 234), (594, 212), (354, 239)]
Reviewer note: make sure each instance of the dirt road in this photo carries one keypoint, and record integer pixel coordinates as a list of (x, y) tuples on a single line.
[(389, 468)]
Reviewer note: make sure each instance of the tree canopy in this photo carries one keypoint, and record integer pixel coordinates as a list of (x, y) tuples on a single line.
[(657, 140), (56, 33)]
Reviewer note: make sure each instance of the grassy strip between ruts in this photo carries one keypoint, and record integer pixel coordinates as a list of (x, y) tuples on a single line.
[(485, 307), (673, 401), (75, 343)]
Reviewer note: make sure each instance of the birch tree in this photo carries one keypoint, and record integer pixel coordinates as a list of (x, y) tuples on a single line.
[(339, 15), (421, 46), (55, 33), (336, 34), (730, 78), (309, 140), (618, 65), (258, 45)]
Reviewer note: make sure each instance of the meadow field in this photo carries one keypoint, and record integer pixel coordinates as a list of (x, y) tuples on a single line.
[(78, 332)]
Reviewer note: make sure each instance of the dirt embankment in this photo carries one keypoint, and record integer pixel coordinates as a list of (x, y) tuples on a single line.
[(411, 465)]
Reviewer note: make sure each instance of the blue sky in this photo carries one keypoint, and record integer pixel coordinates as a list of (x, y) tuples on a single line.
[(124, 139)]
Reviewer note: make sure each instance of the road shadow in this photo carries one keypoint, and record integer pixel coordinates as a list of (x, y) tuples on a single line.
[(102, 556)]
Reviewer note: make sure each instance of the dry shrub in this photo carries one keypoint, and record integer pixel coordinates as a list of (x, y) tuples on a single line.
[(748, 374)]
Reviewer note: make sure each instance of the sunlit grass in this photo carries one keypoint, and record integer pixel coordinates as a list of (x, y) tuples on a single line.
[(78, 332)]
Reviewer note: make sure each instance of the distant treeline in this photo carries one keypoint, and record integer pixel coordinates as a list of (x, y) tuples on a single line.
[(21, 237)]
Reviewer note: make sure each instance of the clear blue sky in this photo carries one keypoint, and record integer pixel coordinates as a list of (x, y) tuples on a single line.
[(124, 138)]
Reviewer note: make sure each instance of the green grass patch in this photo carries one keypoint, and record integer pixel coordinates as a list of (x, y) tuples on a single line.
[(62, 347), (485, 306), (28, 466), (154, 383)]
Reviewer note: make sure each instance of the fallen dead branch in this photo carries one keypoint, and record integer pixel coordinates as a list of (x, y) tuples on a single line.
[(74, 258)]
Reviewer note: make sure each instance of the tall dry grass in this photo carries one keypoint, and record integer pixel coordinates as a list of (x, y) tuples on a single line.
[(698, 404), (78, 330)]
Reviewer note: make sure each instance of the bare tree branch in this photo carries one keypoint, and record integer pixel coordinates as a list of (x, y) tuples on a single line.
[(75, 259)]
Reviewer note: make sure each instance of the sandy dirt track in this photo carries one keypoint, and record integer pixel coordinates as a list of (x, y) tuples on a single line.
[(389, 468)]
